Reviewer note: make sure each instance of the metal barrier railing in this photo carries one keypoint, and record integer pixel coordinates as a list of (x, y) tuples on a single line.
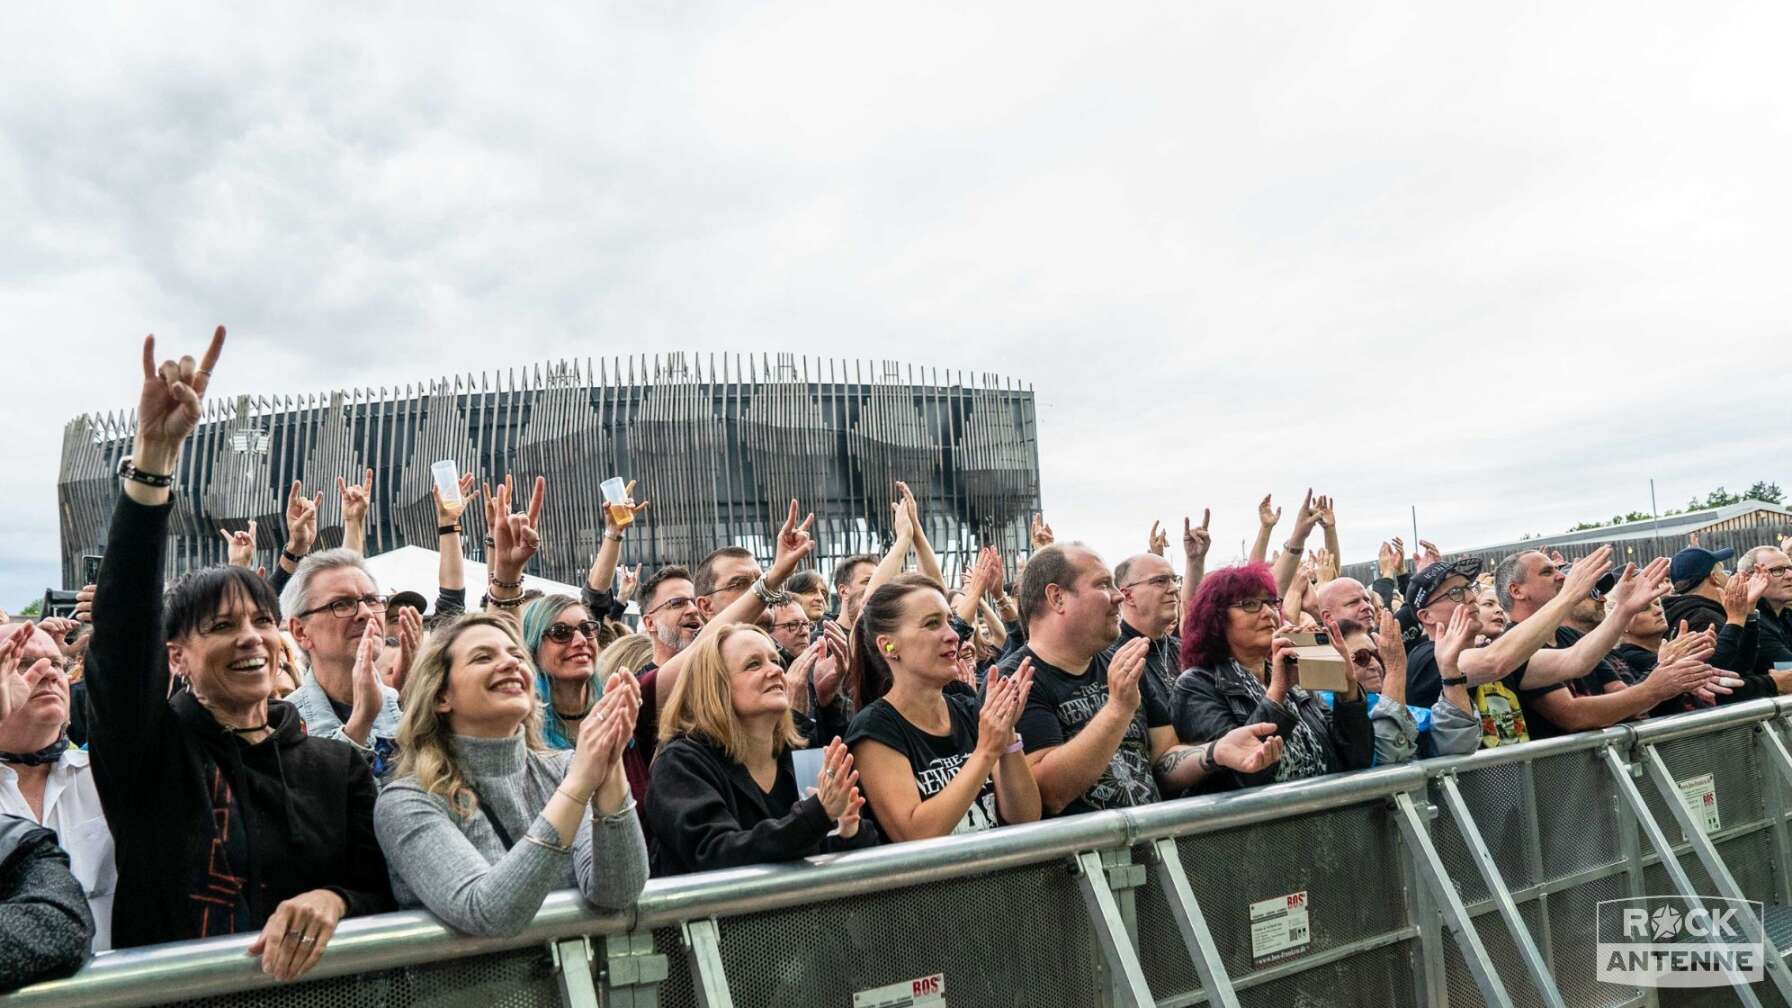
[(1463, 882)]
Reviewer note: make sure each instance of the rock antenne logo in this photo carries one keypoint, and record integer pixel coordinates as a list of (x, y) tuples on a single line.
[(1666, 922)]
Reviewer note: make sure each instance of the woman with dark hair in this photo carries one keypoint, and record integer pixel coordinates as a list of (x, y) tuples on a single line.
[(226, 816), (562, 638), (724, 791), (934, 760), (1240, 668)]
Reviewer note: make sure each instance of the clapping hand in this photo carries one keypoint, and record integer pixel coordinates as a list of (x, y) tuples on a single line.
[(837, 788), (1040, 532), (1004, 699)]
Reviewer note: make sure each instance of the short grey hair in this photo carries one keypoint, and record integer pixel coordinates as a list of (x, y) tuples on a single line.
[(1748, 561), (295, 598), (1508, 573)]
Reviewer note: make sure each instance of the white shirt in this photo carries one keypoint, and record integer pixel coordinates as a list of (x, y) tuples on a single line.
[(72, 811)]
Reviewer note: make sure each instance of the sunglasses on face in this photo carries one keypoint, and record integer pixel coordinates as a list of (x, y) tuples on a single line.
[(560, 633), (1363, 658)]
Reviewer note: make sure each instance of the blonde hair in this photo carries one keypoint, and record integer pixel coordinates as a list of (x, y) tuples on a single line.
[(701, 701), (424, 750), (628, 653)]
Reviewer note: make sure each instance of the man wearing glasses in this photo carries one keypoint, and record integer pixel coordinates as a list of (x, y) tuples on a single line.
[(329, 604), (1149, 608), (1774, 642)]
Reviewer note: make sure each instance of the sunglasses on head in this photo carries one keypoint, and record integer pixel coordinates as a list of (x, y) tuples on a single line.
[(560, 633)]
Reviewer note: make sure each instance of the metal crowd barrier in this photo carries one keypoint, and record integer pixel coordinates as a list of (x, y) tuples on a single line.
[(1465, 881)]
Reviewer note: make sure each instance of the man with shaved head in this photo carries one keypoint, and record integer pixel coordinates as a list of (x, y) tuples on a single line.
[(1346, 599), (41, 778), (1150, 608)]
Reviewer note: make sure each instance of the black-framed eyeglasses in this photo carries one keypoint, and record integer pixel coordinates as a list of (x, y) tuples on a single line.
[(560, 633), (1252, 605), (1160, 581), (343, 608), (675, 602), (794, 626), (738, 584), (1460, 593)]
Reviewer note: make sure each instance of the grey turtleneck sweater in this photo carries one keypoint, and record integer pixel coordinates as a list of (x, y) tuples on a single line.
[(457, 867)]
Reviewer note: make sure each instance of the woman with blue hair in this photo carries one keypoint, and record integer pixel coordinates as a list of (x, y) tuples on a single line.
[(562, 637)]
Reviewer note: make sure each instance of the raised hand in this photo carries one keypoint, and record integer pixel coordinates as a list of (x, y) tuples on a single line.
[(15, 687), (1392, 651), (1040, 532), (906, 498), (1325, 566), (1267, 517), (902, 522), (631, 580), (515, 536), (84, 603), (1742, 594), (448, 513), (355, 497), (1250, 749), (1636, 590), (1458, 634), (1304, 519), (1196, 541), (1584, 575), (603, 735), (301, 519), (628, 501), (364, 680), (169, 405), (830, 666), (1427, 558), (1327, 515), (1158, 540), (239, 547), (1387, 561), (410, 638), (793, 544)]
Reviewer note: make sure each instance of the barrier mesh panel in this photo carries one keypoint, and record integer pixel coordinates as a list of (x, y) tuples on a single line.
[(1347, 860), (1577, 809), (1168, 969), (1495, 797), (1019, 937), (523, 978), (1508, 964), (1378, 978), (1573, 914), (1731, 758)]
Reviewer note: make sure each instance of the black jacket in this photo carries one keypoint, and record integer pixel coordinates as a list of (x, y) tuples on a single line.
[(1206, 706), (45, 924), (707, 812), (304, 806), (1738, 647)]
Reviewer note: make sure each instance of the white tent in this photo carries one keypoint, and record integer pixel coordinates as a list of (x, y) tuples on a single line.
[(413, 568)]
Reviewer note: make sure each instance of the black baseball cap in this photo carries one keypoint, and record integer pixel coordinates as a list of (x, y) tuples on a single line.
[(1425, 583), (407, 598), (1604, 585)]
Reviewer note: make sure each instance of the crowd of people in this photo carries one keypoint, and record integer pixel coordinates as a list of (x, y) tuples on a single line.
[(267, 752)]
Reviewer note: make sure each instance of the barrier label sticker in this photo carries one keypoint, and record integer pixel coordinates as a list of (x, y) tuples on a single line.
[(1279, 927), (921, 992), (1699, 795)]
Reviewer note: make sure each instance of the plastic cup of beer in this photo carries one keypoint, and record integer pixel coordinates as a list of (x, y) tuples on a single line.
[(615, 493), (447, 479)]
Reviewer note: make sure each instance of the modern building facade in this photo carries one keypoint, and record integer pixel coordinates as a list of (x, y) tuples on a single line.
[(719, 444)]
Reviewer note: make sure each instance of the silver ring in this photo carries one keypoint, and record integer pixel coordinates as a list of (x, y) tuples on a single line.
[(307, 939)]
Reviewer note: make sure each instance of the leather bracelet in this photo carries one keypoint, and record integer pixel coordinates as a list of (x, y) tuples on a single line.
[(613, 536), (129, 471), (290, 555), (1460, 680), (505, 603), (442, 530), (1208, 763), (496, 581)]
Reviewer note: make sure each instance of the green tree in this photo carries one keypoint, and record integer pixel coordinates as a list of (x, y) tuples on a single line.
[(1765, 491), (35, 607)]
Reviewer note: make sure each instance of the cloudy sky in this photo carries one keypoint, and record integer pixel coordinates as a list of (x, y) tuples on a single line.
[(1502, 262)]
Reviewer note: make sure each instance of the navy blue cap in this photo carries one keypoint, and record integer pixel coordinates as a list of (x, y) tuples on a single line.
[(1693, 563)]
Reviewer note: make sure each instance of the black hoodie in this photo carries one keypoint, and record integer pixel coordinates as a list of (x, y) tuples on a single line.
[(1738, 647), (211, 833)]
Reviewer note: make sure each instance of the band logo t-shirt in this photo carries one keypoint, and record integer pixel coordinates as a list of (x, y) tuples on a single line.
[(1061, 705), (934, 759)]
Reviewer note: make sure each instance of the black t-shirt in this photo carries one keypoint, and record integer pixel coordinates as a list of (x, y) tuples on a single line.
[(1424, 680), (1591, 684), (1061, 704), (1163, 659), (934, 759)]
